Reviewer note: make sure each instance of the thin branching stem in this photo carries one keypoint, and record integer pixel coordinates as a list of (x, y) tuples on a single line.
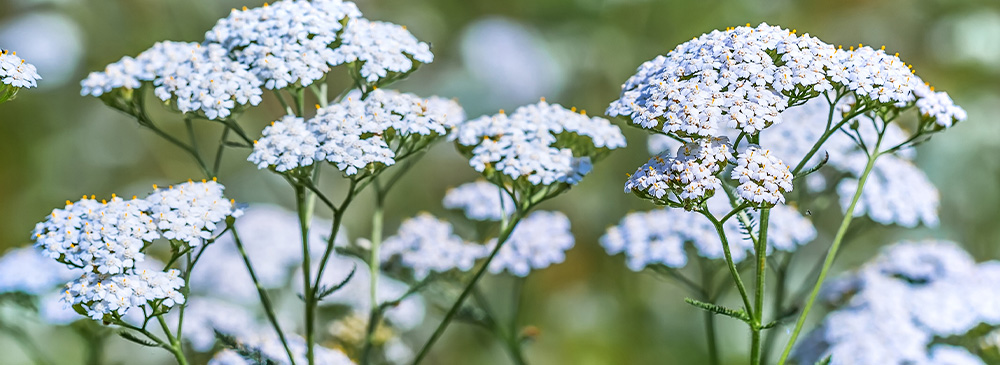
[(729, 260), (504, 235), (265, 300), (832, 253)]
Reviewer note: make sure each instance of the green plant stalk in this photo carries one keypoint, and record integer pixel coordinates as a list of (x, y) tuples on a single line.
[(510, 340), (758, 314), (709, 296), (831, 254), (729, 260), (374, 266), (504, 235), (776, 307), (173, 343), (305, 202), (262, 294)]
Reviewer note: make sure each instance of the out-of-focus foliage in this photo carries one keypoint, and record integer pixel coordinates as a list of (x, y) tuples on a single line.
[(498, 55)]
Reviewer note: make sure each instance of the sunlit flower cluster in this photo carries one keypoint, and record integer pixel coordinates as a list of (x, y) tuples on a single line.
[(745, 79), (893, 308), (293, 42), (380, 48), (690, 177), (103, 294), (539, 240), (659, 237), (480, 200), (356, 133), (763, 178), (192, 76), (286, 42), (107, 240), (542, 143), (15, 72)]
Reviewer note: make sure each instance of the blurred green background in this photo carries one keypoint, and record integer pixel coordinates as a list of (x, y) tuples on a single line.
[(493, 55)]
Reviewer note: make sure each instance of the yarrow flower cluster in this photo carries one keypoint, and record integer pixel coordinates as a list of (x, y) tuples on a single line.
[(744, 79), (892, 309), (15, 74), (107, 239), (193, 77), (542, 143), (658, 237), (356, 133), (381, 48), (480, 200), (690, 177), (539, 240), (427, 244), (286, 42), (763, 178)]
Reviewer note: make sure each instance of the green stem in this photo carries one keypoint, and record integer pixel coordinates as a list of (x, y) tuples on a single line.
[(831, 254), (517, 296), (262, 294), (504, 235), (776, 306), (826, 135), (707, 292), (374, 269), (174, 343), (758, 314), (219, 151), (305, 204), (511, 343), (729, 261)]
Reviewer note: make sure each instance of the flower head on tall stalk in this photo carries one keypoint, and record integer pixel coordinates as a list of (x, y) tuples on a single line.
[(534, 154), (108, 240), (15, 74), (739, 84)]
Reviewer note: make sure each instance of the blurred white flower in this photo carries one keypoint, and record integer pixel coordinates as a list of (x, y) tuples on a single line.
[(50, 41), (512, 61)]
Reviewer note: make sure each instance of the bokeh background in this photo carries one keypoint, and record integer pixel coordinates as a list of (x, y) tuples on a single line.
[(491, 55)]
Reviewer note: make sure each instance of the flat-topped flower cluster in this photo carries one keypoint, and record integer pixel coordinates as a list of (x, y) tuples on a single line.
[(15, 74), (740, 81), (543, 144), (357, 133), (289, 43), (107, 239)]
